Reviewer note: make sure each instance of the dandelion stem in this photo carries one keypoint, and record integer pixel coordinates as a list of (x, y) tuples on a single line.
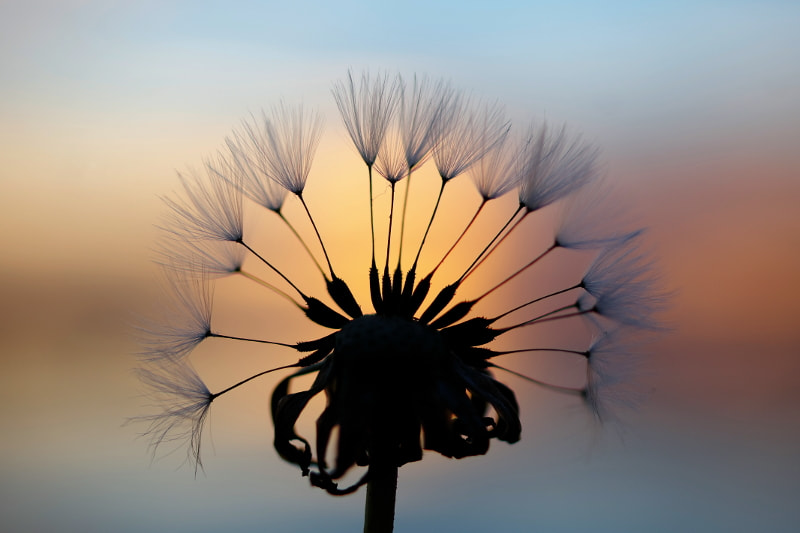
[(403, 219), (270, 265), (546, 296), (464, 232), (381, 495), (430, 223), (517, 273), (525, 350), (270, 287), (261, 341), (389, 237), (559, 317), (303, 242), (305, 206), (479, 259), (557, 388), (548, 317), (371, 212), (220, 393)]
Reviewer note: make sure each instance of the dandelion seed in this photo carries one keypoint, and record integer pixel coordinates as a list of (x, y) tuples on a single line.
[(466, 132), (422, 111), (367, 112)]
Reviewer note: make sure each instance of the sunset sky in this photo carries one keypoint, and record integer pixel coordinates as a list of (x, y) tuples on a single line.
[(694, 106)]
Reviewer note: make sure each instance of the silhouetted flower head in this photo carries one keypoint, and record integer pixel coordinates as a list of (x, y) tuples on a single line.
[(389, 379), (417, 371)]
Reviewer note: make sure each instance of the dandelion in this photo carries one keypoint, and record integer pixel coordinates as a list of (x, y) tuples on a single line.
[(416, 372)]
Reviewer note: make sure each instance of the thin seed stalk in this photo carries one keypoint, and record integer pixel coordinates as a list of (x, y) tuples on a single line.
[(403, 219), (371, 213)]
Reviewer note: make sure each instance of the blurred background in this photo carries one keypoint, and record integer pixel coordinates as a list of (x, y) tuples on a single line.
[(695, 108)]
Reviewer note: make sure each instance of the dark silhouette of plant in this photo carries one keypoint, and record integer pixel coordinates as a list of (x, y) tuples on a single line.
[(415, 372)]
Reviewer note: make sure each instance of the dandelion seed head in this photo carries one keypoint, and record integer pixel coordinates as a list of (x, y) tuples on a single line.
[(414, 375)]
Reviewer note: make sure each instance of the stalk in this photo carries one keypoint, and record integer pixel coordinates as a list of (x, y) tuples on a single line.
[(381, 495)]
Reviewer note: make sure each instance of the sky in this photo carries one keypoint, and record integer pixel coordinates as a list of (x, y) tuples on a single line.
[(694, 108)]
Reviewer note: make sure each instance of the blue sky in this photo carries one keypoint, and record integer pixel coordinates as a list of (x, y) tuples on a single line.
[(624, 61)]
